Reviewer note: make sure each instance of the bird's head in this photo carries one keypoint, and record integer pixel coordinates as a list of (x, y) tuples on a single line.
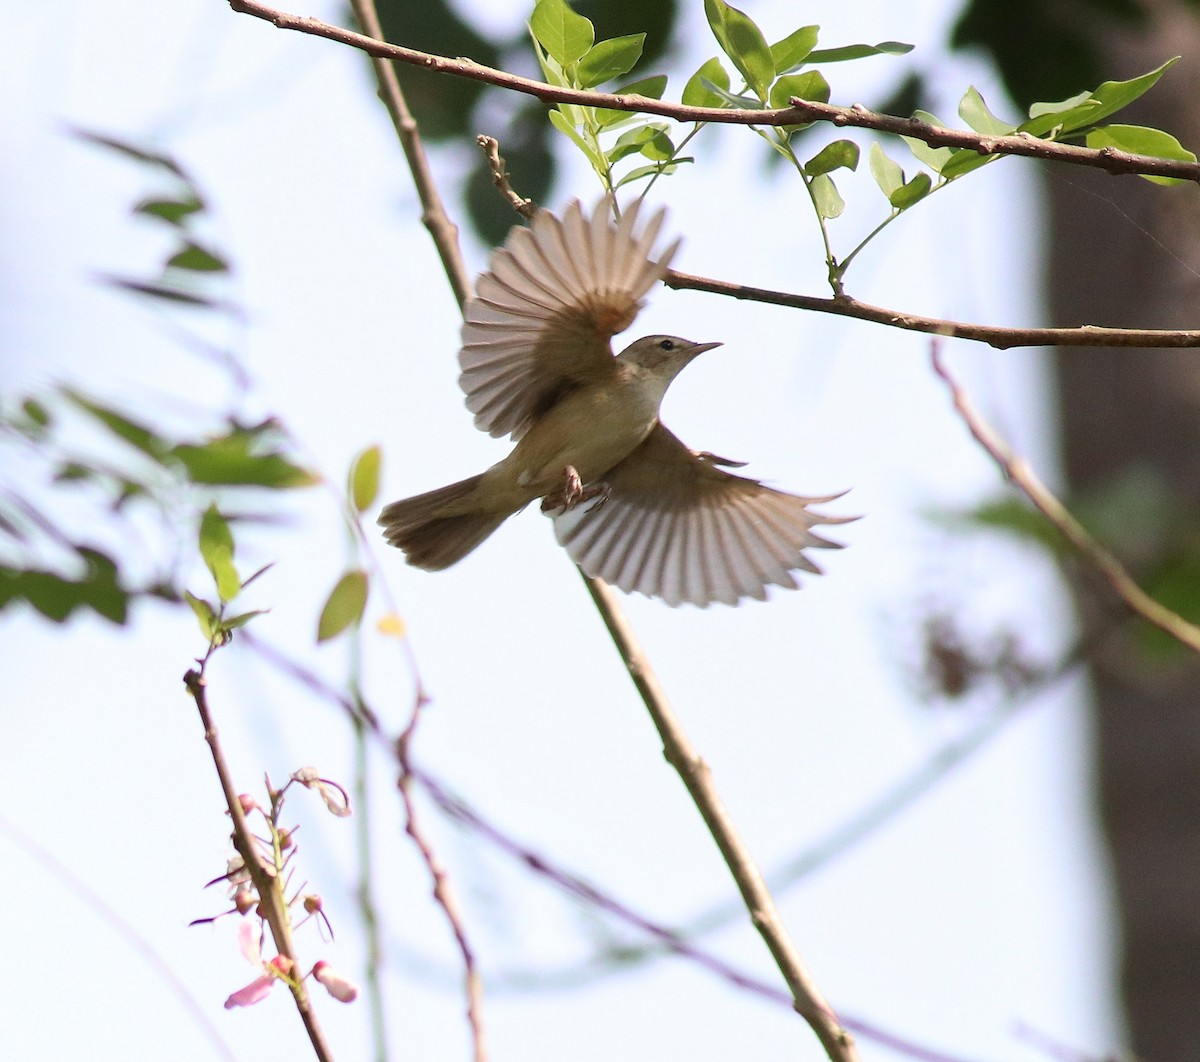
[(661, 358)]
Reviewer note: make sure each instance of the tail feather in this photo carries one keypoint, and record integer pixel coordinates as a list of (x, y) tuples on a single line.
[(431, 537)]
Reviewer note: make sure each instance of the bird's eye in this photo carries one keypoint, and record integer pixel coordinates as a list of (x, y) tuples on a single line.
[(667, 344)]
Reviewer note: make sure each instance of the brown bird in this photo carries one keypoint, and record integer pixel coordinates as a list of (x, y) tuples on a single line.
[(631, 504)]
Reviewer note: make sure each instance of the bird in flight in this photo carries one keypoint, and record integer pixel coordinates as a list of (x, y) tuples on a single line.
[(631, 504)]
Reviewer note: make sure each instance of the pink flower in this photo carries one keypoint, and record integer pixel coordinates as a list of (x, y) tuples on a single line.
[(250, 941), (341, 988)]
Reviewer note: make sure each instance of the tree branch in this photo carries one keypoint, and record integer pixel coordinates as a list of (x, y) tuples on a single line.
[(1017, 470), (801, 111), (994, 335)]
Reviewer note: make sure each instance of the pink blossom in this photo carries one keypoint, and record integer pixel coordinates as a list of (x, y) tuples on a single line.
[(250, 941), (341, 988)]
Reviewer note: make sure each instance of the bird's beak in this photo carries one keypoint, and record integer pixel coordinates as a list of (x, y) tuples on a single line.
[(700, 348)]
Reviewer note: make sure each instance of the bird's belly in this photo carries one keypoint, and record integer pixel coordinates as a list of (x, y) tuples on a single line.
[(591, 430)]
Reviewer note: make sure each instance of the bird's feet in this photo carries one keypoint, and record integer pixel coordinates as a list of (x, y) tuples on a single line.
[(571, 493)]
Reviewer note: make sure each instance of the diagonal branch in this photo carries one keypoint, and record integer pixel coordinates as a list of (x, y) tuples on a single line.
[(1019, 473), (801, 111)]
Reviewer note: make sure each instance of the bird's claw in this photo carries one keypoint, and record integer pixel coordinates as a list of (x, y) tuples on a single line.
[(573, 493)]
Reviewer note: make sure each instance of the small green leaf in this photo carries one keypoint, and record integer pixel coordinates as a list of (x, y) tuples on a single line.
[(36, 413), (657, 168), (239, 459), (610, 59), (975, 113), (651, 87), (172, 211), (825, 194), (811, 85), (697, 93), (560, 122), (1040, 110), (629, 143), (1142, 141), (166, 292), (911, 192), (790, 53), (743, 42), (934, 158), (133, 432), (566, 35), (240, 620), (887, 173), (964, 161), (216, 547), (131, 150), (858, 51), (205, 613), (344, 606), (742, 103), (841, 154), (196, 258), (364, 478), (1109, 98)]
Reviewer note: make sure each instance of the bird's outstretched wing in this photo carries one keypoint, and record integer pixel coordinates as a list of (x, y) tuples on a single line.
[(675, 526), (542, 316)]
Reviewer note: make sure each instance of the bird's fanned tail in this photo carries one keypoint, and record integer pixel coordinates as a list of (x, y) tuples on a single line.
[(431, 537)]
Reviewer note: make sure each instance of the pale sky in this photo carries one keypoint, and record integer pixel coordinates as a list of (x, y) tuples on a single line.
[(981, 909)]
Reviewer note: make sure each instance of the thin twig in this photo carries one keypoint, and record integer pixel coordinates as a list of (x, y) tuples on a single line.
[(697, 778), (458, 809), (271, 900), (1017, 470), (1001, 338), (800, 111), (433, 212), (443, 892)]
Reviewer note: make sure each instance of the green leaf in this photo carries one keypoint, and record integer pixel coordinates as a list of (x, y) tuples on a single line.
[(205, 613), (825, 194), (166, 292), (1039, 110), (172, 211), (841, 154), (657, 168), (566, 35), (239, 460), (1142, 141), (743, 42), (698, 93), (132, 151), (934, 158), (194, 257), (858, 51), (887, 173), (651, 87), (629, 143), (1109, 98), (56, 597), (610, 59), (811, 85), (36, 413), (364, 478), (344, 606), (216, 547), (742, 103), (560, 122), (911, 192), (133, 432), (240, 620), (975, 113), (790, 53), (964, 161)]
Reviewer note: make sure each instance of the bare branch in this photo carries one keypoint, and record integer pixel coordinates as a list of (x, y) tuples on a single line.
[(801, 111), (994, 335), (682, 755), (1018, 472)]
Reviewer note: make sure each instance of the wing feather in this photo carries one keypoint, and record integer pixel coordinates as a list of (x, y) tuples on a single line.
[(675, 526), (542, 316)]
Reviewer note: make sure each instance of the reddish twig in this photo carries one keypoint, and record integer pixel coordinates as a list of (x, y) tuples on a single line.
[(1017, 470)]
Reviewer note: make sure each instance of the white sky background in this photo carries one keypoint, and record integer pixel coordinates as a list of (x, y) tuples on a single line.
[(979, 909)]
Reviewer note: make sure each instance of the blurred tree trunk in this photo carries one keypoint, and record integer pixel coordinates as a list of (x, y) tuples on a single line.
[(1122, 251)]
